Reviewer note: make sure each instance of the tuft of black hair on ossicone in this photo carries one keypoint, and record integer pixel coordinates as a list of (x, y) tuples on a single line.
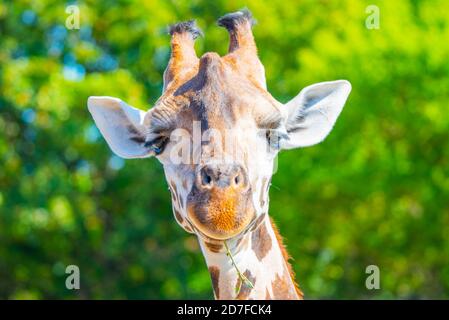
[(185, 26), (231, 20)]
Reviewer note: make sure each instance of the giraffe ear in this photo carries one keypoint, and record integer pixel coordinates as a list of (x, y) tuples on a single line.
[(121, 125), (313, 112)]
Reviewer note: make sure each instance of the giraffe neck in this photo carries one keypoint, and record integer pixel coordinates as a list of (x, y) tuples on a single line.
[(260, 256)]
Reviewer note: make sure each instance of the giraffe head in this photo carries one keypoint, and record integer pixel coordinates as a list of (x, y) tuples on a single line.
[(217, 130)]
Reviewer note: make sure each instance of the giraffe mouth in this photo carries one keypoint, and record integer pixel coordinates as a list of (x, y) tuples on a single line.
[(220, 214)]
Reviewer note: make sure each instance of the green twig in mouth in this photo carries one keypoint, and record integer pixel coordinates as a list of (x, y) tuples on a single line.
[(242, 277)]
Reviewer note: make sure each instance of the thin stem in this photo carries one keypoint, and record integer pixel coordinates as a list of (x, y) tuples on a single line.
[(242, 277)]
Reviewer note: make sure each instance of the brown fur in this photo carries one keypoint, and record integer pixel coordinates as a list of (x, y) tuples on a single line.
[(214, 247), (245, 290), (174, 191), (215, 276), (183, 54), (282, 289), (188, 229), (258, 221), (178, 216), (286, 258), (261, 242), (267, 295)]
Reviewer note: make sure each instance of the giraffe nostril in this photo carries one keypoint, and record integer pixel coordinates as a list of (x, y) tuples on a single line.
[(206, 179), (237, 179), (222, 176)]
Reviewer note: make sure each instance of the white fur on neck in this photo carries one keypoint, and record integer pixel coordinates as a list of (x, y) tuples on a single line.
[(272, 266)]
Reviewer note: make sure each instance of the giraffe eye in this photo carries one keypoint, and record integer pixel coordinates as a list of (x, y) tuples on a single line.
[(273, 139), (157, 145)]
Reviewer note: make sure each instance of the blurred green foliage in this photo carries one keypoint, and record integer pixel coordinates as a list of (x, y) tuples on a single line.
[(375, 192)]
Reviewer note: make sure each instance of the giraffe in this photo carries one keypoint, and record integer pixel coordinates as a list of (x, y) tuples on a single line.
[(219, 187)]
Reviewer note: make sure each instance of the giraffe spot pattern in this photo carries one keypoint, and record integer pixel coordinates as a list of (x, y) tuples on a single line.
[(180, 201), (214, 247), (261, 242), (282, 287), (257, 222), (267, 295), (178, 217), (187, 228), (174, 191), (215, 275), (245, 290), (286, 259), (176, 197)]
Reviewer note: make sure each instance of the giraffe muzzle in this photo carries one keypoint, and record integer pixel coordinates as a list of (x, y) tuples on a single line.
[(220, 203), (224, 177)]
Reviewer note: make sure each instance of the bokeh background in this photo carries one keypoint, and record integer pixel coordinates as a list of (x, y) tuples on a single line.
[(376, 191)]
